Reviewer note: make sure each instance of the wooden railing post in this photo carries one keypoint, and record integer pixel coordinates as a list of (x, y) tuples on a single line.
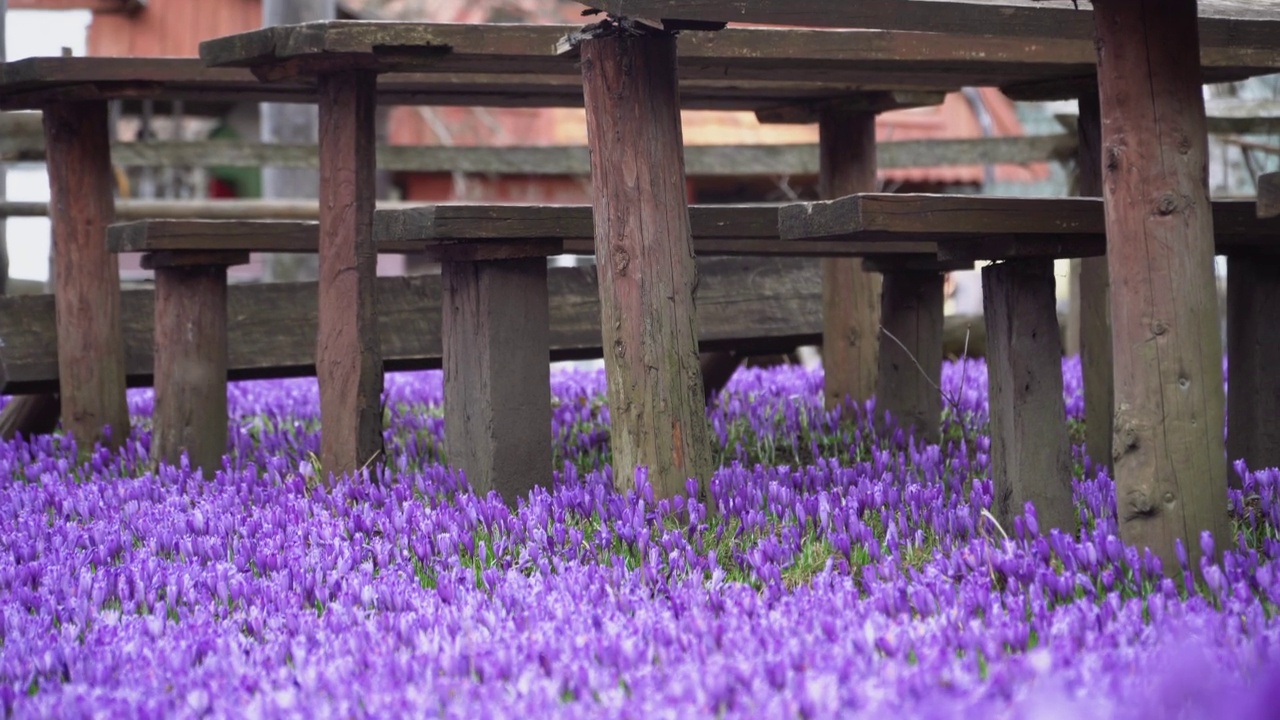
[(86, 276), (645, 261), (850, 295), (1170, 457), (348, 354), (1095, 302)]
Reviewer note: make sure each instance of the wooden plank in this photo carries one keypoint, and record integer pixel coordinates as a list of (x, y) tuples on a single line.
[(1030, 450), (1269, 195), (1253, 353), (645, 258), (910, 356), (348, 365), (86, 276), (1248, 23), (1170, 454), (497, 377), (868, 216), (495, 231), (752, 305), (190, 367), (851, 297), (1095, 301)]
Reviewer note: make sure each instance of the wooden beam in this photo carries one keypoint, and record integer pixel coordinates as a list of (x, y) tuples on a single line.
[(86, 276), (497, 378), (1030, 450), (1095, 302), (1269, 195), (1170, 457), (851, 297), (1253, 353), (348, 365), (910, 353), (747, 304), (190, 365), (1248, 24), (645, 258), (870, 216)]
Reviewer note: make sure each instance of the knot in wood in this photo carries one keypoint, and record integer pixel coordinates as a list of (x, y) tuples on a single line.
[(1184, 144), (1168, 498), (1158, 328), (621, 261), (1139, 504), (619, 349), (1168, 204)]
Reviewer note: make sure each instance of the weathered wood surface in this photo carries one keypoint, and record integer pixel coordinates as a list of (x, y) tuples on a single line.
[(850, 296), (497, 377), (869, 216), (1269, 195), (740, 68), (750, 305), (499, 230), (1253, 354), (348, 365), (86, 277), (645, 257), (1169, 452), (190, 366), (910, 354), (1245, 23), (1095, 300), (1030, 449)]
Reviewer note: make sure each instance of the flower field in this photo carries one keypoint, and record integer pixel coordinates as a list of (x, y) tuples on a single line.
[(840, 573)]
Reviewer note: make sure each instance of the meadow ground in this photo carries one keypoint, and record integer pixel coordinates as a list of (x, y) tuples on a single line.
[(833, 572)]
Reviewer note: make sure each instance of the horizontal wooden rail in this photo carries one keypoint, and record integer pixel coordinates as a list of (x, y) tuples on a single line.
[(975, 219), (750, 305)]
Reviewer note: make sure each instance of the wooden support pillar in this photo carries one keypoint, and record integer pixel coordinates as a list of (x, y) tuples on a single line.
[(910, 356), (1030, 450), (1095, 301), (1253, 354), (497, 374), (191, 357), (348, 354), (645, 261), (86, 276), (1269, 195), (850, 296), (1170, 455)]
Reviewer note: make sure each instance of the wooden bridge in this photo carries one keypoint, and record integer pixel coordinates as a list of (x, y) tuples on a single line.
[(1152, 354)]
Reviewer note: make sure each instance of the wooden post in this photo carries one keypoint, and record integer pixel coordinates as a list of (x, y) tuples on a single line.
[(291, 123), (645, 261), (191, 357), (1253, 354), (850, 296), (86, 276), (910, 357), (1095, 302), (348, 354), (497, 374), (1269, 195), (1170, 456), (1030, 450)]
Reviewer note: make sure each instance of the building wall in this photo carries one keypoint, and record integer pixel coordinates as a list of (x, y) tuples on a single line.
[(171, 28)]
